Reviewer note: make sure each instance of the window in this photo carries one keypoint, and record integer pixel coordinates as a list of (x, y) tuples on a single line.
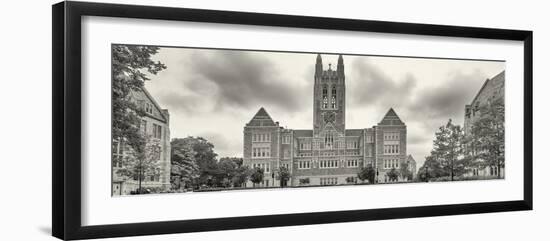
[(149, 108), (353, 145), (157, 131), (391, 149), (328, 164), (143, 127), (261, 152), (328, 181), (316, 144), (304, 165), (261, 137), (329, 139), (391, 163), (325, 97), (264, 166), (369, 139), (286, 139), (353, 163), (333, 98), (305, 145), (391, 136)]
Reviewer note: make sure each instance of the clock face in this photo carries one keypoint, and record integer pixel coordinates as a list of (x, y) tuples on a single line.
[(330, 117)]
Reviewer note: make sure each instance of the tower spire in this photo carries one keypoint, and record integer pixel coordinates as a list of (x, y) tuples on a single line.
[(318, 66), (340, 66)]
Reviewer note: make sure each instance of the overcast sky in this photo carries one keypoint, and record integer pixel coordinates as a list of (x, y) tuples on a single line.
[(214, 93)]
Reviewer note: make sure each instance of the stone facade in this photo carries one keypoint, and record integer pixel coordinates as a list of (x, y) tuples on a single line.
[(328, 154), (156, 126), (492, 89)]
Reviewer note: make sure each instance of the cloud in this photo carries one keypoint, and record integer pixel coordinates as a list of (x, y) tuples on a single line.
[(448, 98), (222, 144), (371, 86), (242, 80)]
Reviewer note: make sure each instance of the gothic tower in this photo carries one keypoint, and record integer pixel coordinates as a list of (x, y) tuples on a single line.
[(329, 100)]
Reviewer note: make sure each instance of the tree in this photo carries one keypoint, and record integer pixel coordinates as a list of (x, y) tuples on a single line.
[(257, 175), (226, 170), (283, 175), (130, 68), (486, 142), (448, 149), (242, 174), (184, 168), (431, 168), (142, 164), (393, 175), (205, 158), (367, 173), (237, 160)]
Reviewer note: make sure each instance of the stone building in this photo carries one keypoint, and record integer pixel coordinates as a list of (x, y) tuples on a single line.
[(327, 154), (492, 89), (155, 126), (411, 165)]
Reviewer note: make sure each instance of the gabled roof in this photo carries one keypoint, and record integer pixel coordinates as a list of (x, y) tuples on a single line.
[(391, 119), (261, 118), (155, 104), (410, 159)]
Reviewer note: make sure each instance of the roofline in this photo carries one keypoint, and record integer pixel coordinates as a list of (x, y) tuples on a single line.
[(154, 102), (483, 86)]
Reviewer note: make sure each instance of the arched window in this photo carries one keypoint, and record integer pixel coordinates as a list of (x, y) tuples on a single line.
[(329, 139), (325, 97), (333, 98)]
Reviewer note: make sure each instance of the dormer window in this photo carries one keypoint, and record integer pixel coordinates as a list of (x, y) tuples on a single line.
[(149, 108)]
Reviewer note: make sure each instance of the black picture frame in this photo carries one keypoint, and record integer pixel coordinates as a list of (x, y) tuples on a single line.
[(66, 127)]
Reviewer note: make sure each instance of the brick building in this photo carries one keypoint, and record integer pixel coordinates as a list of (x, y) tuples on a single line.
[(155, 126), (492, 89), (327, 154)]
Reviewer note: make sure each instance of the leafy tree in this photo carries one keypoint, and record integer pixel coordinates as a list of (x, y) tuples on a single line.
[(205, 158), (448, 149), (130, 68), (242, 174), (184, 167), (431, 168), (367, 173), (237, 160), (283, 175), (142, 164), (486, 143), (257, 175), (227, 169), (393, 175)]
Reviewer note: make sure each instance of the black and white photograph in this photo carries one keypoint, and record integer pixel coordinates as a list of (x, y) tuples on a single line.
[(275, 120), (191, 119)]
